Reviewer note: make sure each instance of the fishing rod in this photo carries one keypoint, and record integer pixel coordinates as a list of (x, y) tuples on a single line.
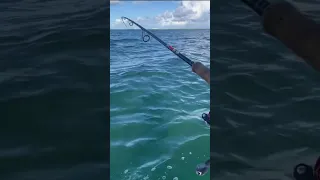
[(286, 23), (299, 33), (203, 168), (197, 67), (146, 37), (175, 51)]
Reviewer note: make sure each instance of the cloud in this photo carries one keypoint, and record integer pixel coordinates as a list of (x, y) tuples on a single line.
[(139, 2), (189, 14), (117, 21), (114, 2), (168, 19), (186, 13)]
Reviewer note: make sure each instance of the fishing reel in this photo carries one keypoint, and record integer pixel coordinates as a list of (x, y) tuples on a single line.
[(306, 172), (203, 168), (206, 118)]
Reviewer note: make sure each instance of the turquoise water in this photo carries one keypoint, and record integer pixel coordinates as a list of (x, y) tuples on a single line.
[(156, 105)]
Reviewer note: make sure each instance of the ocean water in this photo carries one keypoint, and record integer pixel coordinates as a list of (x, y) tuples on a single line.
[(156, 103), (265, 99), (54, 90)]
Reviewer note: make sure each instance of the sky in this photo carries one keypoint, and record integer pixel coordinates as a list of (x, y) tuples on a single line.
[(161, 14)]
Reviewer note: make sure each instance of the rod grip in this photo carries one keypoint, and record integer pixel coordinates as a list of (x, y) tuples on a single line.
[(202, 71), (299, 33)]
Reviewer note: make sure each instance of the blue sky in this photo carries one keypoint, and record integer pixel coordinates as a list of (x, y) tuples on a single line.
[(161, 14)]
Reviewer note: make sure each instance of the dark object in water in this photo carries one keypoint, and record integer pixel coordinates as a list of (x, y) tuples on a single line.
[(203, 168), (206, 118)]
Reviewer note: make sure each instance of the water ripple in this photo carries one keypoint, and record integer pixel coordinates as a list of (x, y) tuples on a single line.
[(156, 100), (265, 100)]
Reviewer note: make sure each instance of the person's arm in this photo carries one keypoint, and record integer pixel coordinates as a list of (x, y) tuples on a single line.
[(299, 33), (202, 71)]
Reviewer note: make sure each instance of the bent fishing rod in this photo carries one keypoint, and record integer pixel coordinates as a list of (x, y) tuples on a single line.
[(175, 51), (203, 168), (146, 37), (197, 67)]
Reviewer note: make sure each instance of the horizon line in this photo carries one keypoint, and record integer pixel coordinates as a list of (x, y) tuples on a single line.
[(166, 29)]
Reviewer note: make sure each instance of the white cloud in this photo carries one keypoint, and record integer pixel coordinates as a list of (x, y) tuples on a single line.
[(117, 21), (168, 19), (138, 2), (114, 2), (189, 14)]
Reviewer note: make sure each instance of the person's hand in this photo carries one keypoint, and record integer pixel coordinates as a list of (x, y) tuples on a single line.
[(196, 67), (202, 71)]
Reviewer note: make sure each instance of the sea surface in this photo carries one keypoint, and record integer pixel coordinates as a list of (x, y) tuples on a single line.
[(156, 103), (265, 100), (54, 90)]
